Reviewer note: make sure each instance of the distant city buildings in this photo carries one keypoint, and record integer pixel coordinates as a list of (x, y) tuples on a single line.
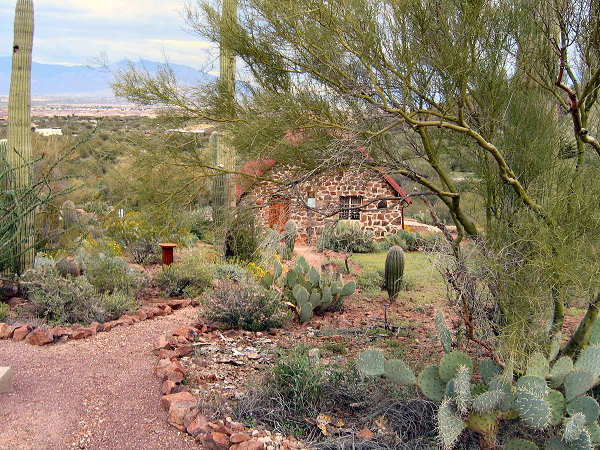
[(49, 131)]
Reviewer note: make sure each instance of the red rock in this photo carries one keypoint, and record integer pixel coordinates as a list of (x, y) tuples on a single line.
[(174, 372), (250, 445), (167, 400), (97, 326), (166, 354), (190, 416), (161, 367), (124, 321), (40, 336), (167, 387), (215, 441), (178, 304), (110, 325), (178, 411), (58, 332), (187, 332), (198, 425), (21, 333), (237, 438), (184, 350), (366, 435), (83, 333), (161, 343), (141, 315), (5, 331)]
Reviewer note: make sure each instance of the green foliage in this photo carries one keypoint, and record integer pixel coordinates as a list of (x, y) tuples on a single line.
[(290, 238), (409, 241), (520, 444), (228, 272), (242, 238), (394, 271), (68, 266), (450, 423), (585, 405), (370, 280), (177, 280), (245, 305), (110, 274), (398, 372), (72, 300), (346, 237), (451, 363), (4, 311), (430, 383)]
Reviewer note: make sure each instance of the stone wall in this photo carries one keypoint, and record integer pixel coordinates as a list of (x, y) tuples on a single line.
[(327, 190)]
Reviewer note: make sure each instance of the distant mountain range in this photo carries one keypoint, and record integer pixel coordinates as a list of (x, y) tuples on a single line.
[(59, 80)]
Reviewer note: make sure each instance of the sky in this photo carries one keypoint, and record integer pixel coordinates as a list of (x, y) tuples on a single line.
[(83, 31)]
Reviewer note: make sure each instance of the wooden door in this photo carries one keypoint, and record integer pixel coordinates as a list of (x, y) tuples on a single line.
[(278, 214)]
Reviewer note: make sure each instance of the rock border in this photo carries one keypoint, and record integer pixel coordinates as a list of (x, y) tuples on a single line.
[(182, 406), (45, 335)]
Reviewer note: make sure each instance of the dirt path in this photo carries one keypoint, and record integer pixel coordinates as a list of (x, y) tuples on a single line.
[(94, 393)]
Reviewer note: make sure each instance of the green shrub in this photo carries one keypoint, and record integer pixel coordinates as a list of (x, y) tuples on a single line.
[(370, 280), (242, 238), (116, 304), (178, 280), (145, 251), (346, 237), (228, 272), (4, 311), (246, 306), (409, 241), (109, 274), (71, 300)]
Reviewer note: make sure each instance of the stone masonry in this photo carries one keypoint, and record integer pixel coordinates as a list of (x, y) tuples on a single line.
[(379, 218)]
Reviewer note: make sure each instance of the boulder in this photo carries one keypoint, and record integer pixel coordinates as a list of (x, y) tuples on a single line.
[(6, 376), (5, 331), (215, 441), (184, 350), (167, 400), (21, 333), (97, 326), (168, 387), (198, 425), (40, 336), (141, 315), (161, 343), (237, 438), (178, 304), (179, 410), (58, 332), (187, 332), (249, 445), (82, 333)]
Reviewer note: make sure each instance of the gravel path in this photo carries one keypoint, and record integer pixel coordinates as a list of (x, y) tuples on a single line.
[(93, 393)]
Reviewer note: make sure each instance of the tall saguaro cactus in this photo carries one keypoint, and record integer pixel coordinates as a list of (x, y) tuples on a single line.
[(223, 155), (18, 154)]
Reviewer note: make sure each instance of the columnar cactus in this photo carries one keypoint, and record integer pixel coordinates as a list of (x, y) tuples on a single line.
[(290, 237), (18, 154), (394, 271), (68, 213)]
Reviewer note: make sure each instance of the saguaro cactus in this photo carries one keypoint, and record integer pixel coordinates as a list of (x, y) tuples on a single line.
[(18, 154)]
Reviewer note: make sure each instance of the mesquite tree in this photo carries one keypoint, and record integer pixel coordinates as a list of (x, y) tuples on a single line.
[(19, 154)]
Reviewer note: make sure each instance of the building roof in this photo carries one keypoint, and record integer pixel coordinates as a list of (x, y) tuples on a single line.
[(257, 168)]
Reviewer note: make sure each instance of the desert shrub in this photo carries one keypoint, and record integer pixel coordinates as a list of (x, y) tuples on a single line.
[(116, 304), (346, 237), (228, 272), (145, 251), (109, 274), (298, 390), (178, 280), (246, 306), (242, 238), (409, 241), (4, 311), (201, 224), (370, 280)]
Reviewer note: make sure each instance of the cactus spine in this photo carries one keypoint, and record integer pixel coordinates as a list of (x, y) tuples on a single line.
[(394, 271), (290, 237), (18, 154)]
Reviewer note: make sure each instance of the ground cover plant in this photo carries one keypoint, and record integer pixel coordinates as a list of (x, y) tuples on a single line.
[(189, 279)]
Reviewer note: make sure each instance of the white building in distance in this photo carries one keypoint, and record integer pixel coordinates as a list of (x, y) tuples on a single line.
[(49, 131)]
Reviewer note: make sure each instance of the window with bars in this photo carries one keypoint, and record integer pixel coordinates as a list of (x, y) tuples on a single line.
[(347, 202)]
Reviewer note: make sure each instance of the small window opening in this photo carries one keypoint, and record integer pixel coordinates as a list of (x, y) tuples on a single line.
[(382, 205), (350, 202), (16, 49)]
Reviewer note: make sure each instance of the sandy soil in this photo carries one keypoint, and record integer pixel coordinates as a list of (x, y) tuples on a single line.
[(94, 393)]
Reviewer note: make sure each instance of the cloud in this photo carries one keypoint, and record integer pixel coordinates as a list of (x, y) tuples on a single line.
[(77, 32)]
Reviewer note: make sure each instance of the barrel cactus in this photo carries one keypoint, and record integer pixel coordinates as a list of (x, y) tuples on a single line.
[(19, 153), (394, 271)]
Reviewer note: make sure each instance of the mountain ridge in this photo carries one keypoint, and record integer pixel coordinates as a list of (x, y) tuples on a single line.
[(63, 80)]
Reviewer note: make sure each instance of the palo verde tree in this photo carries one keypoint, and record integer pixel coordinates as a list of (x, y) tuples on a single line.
[(506, 90)]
